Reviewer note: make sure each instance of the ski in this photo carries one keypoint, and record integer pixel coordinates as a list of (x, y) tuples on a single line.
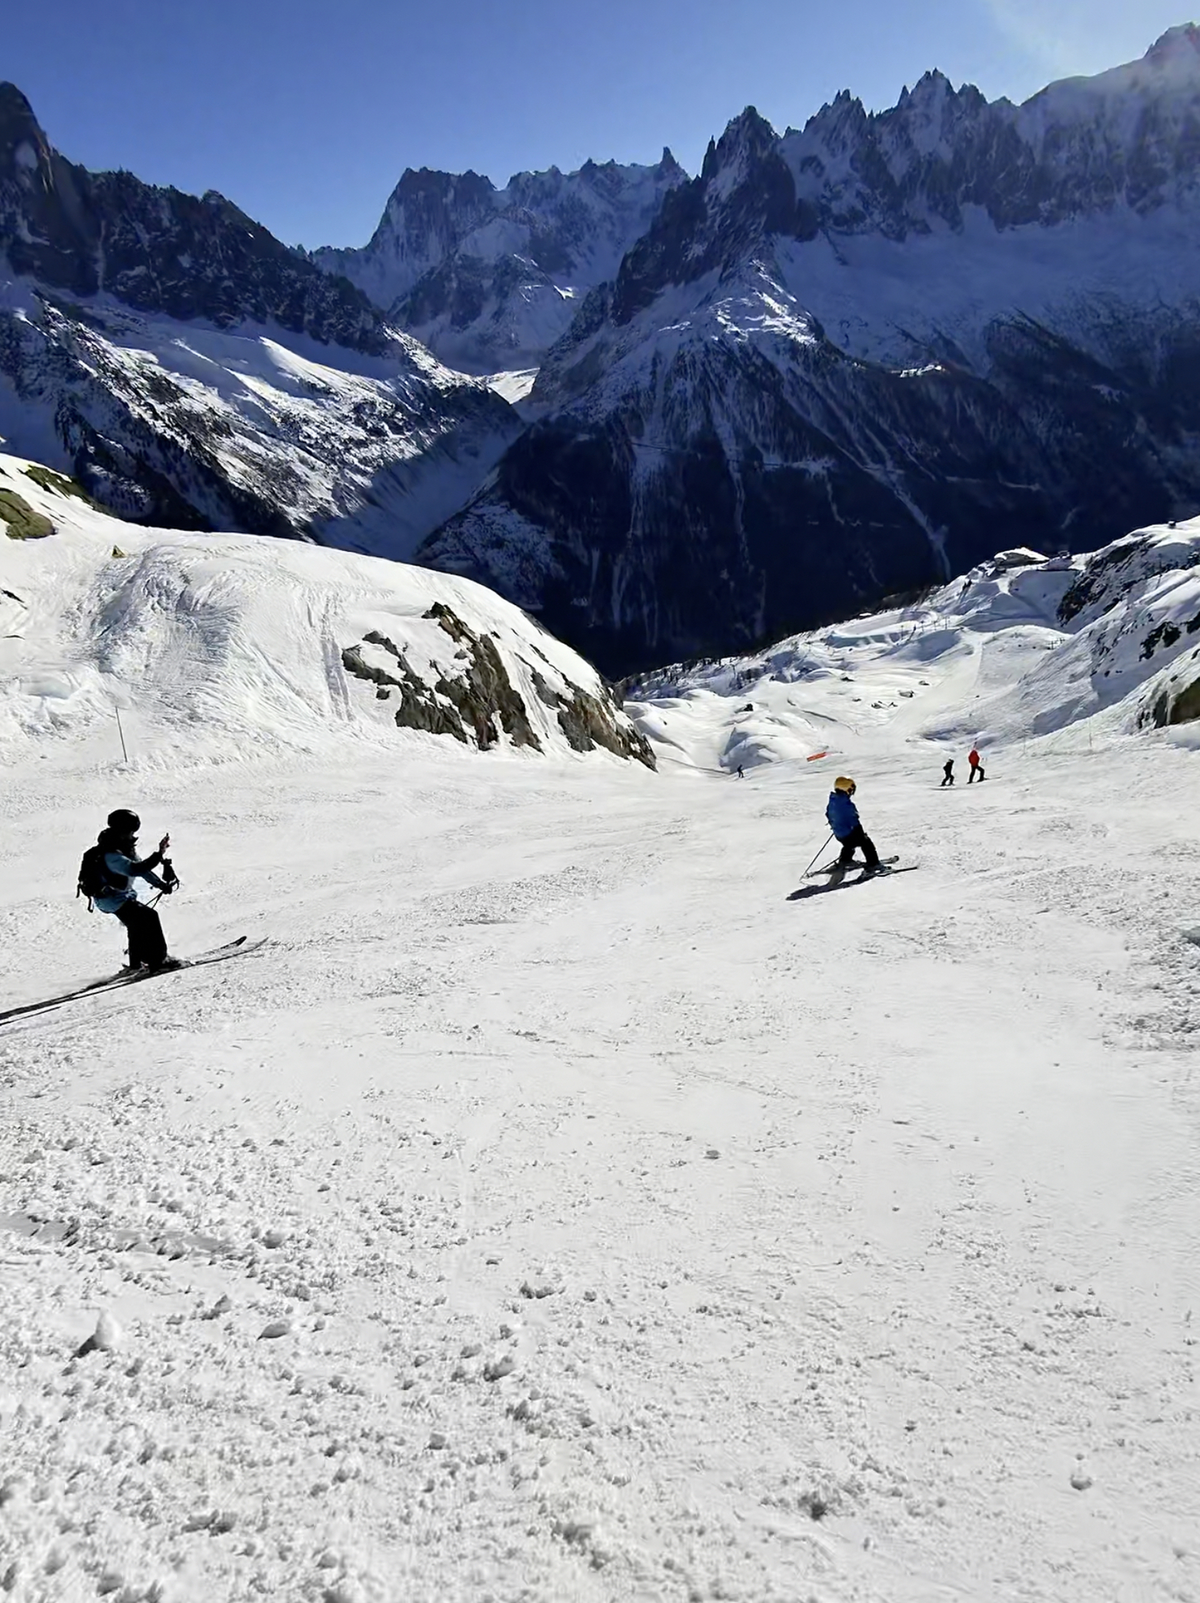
[(116, 982), (840, 882), (835, 866)]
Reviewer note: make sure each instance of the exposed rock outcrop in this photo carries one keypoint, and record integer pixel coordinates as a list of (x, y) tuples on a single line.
[(20, 520), (1178, 700), (473, 697)]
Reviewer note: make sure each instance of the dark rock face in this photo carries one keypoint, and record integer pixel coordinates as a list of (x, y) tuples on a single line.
[(483, 691), (1178, 702), (1111, 574), (855, 359), (419, 707), (588, 723), (159, 250), (196, 373)]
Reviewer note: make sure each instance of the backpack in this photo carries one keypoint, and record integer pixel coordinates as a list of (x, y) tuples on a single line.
[(94, 877)]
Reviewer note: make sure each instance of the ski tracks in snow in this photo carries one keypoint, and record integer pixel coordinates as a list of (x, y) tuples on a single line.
[(554, 1211)]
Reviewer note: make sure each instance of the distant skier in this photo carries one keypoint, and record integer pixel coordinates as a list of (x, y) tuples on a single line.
[(740, 774), (842, 816), (976, 770), (105, 878), (947, 772)]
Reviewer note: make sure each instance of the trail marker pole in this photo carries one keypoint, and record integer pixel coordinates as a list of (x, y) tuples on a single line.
[(121, 732)]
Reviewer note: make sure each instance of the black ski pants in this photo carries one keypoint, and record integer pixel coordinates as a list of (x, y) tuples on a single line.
[(858, 837), (147, 943), (949, 780), (978, 769)]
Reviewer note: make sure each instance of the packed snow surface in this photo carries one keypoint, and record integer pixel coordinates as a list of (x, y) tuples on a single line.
[(558, 1207)]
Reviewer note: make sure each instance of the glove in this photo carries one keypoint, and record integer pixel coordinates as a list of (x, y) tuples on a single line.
[(163, 844)]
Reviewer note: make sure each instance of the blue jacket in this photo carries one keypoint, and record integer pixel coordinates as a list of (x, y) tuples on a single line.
[(841, 814), (122, 870)]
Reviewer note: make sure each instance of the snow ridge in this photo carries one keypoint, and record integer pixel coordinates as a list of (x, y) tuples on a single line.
[(1021, 648), (226, 648)]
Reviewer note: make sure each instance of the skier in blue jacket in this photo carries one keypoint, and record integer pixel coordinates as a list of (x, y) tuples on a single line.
[(843, 819), (117, 847)]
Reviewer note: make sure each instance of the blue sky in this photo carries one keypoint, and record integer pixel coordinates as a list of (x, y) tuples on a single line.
[(305, 112)]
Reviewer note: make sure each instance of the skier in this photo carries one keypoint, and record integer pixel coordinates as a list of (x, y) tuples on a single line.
[(105, 877), (843, 820), (948, 772), (740, 774), (973, 759)]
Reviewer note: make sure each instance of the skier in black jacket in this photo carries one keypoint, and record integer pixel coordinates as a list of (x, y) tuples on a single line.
[(116, 848)]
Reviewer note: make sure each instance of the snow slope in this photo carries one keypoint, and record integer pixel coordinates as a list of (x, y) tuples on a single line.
[(1023, 646), (251, 427), (219, 648), (559, 1206)]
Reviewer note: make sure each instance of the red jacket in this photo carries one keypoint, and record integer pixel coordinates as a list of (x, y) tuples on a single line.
[(973, 759)]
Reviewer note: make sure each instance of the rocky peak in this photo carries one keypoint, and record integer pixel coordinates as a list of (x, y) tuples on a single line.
[(438, 203), (159, 250), (18, 130), (1178, 47), (746, 139), (491, 278)]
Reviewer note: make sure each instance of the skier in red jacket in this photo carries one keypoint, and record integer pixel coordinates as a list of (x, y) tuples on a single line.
[(973, 760)]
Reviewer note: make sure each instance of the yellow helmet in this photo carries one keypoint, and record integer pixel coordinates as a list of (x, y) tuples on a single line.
[(842, 783)]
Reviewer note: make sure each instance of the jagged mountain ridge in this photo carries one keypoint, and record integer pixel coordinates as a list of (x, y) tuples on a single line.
[(856, 358), (489, 278), (159, 250), (191, 370)]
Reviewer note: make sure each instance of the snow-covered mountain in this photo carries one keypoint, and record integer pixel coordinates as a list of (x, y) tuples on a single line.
[(1024, 646), (490, 278), (855, 358), (226, 647), (189, 369)]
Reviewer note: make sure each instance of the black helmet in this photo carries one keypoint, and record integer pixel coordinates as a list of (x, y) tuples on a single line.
[(123, 820)]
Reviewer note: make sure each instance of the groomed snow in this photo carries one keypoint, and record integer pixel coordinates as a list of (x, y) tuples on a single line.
[(556, 1209)]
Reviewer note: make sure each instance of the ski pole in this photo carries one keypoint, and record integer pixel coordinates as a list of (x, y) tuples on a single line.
[(820, 849)]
